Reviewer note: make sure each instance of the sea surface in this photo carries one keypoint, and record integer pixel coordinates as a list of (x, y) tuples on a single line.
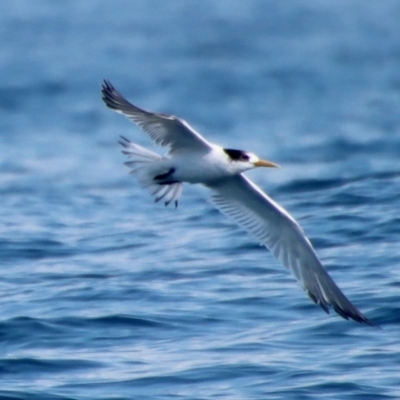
[(107, 296)]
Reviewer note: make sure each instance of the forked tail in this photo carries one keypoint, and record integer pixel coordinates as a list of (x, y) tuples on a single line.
[(143, 164)]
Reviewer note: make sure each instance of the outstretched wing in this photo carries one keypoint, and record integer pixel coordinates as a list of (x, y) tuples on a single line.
[(241, 200), (165, 130)]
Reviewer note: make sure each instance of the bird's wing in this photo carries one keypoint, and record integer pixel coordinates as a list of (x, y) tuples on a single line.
[(240, 199), (165, 130)]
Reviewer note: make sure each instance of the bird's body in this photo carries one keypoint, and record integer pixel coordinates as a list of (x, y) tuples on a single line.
[(193, 167), (192, 159)]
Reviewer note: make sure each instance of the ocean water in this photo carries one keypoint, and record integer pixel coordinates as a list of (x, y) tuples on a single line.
[(106, 295)]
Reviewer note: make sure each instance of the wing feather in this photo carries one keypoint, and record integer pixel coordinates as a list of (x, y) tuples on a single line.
[(242, 201), (165, 130)]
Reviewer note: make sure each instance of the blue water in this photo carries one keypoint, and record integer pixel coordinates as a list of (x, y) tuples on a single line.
[(106, 295)]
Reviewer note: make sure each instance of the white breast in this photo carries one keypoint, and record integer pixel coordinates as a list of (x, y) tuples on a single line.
[(194, 167)]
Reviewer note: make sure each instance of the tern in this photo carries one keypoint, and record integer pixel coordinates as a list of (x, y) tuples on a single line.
[(193, 159)]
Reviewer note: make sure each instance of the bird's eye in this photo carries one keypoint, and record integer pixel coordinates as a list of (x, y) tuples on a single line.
[(237, 155)]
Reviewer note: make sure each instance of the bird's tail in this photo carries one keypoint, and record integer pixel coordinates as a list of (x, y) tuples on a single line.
[(145, 167)]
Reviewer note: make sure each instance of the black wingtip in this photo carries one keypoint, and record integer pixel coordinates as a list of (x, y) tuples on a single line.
[(357, 317), (365, 320), (114, 99), (106, 85), (124, 142), (353, 314), (106, 89), (110, 95), (124, 139)]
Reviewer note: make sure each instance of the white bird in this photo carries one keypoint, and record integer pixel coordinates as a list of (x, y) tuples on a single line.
[(191, 158)]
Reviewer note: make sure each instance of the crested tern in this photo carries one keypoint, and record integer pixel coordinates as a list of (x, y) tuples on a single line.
[(193, 159)]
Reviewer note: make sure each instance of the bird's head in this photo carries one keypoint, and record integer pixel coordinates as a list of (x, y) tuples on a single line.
[(244, 160)]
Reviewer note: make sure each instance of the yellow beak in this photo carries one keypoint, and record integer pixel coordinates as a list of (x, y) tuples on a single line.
[(264, 163)]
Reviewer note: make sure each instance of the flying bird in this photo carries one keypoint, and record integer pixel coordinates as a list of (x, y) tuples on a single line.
[(193, 159)]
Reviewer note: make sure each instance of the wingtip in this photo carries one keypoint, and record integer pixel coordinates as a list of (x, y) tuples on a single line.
[(356, 316), (370, 323), (107, 85), (124, 142), (353, 314), (109, 94)]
